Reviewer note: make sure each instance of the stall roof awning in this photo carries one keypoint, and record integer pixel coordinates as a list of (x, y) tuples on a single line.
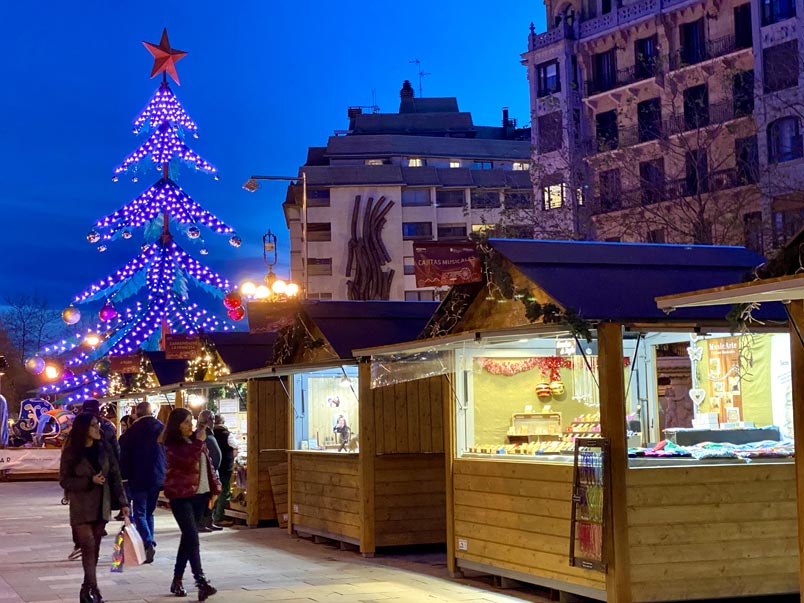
[(620, 281), (244, 351), (783, 288), (349, 325), (281, 370), (167, 371)]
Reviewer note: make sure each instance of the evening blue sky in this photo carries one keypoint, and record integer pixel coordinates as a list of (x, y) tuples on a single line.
[(263, 80)]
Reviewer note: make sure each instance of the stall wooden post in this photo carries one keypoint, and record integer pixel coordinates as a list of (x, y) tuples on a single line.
[(368, 450), (612, 426), (178, 400), (449, 461), (252, 454), (796, 313)]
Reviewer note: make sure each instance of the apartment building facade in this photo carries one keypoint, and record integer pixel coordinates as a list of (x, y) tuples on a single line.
[(672, 121), (425, 173)]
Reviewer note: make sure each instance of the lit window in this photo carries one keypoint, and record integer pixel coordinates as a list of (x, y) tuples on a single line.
[(479, 228), (521, 166), (409, 264), (374, 162), (415, 162), (553, 195), (454, 164)]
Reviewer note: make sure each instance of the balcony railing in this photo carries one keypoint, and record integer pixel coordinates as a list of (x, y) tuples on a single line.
[(563, 32), (643, 70), (711, 49)]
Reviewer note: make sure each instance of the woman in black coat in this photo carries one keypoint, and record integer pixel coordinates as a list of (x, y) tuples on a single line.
[(90, 476)]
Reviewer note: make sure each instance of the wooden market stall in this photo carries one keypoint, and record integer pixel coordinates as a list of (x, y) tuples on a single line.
[(530, 439)]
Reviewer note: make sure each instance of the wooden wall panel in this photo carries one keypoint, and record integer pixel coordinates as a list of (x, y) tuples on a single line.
[(279, 487), (516, 516), (699, 532), (410, 499), (325, 494), (273, 414)]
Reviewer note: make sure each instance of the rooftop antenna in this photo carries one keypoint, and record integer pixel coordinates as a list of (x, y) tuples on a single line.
[(421, 74)]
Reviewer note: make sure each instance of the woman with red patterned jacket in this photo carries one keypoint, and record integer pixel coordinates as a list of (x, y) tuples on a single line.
[(190, 485)]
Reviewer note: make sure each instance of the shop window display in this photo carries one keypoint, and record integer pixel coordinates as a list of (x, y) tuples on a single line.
[(326, 410)]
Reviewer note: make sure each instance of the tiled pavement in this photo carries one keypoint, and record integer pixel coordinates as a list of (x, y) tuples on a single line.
[(245, 565)]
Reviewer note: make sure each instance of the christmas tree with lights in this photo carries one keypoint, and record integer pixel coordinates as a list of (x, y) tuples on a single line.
[(156, 283)]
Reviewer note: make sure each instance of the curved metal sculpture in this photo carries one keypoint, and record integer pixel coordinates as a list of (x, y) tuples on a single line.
[(367, 252)]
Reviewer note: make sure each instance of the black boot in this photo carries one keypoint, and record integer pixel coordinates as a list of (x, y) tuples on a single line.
[(97, 597), (176, 588), (86, 595), (205, 589)]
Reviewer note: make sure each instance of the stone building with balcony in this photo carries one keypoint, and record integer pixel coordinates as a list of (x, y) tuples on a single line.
[(425, 173), (672, 121)]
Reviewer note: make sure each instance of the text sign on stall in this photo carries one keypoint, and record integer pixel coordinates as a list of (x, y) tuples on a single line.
[(446, 264), (182, 347), (124, 364), (264, 317)]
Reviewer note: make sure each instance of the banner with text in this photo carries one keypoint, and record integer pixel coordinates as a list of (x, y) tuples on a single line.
[(446, 264), (264, 317), (30, 460), (182, 347), (125, 364)]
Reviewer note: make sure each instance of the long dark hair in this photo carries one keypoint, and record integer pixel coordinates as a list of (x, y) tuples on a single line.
[(79, 434), (171, 435)]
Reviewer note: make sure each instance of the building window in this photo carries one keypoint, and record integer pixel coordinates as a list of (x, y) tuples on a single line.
[(409, 264), (454, 164), (319, 266), (547, 78), (427, 295), (551, 132), (317, 197), (612, 239), (743, 93), (743, 36), (375, 162), (774, 11), (450, 197), (605, 71), (651, 181), (484, 228), (787, 221), (416, 162), (319, 231), (657, 236), (485, 199), (696, 167), (322, 295), (416, 230), (610, 190), (649, 116), (518, 200), (696, 107), (554, 195), (781, 66), (606, 130), (415, 197), (693, 42), (752, 231), (747, 158), (448, 232), (482, 165), (784, 140), (646, 52), (521, 166)]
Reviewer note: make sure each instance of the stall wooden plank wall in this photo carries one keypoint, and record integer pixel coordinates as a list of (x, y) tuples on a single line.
[(267, 417), (717, 531), (515, 516), (324, 495)]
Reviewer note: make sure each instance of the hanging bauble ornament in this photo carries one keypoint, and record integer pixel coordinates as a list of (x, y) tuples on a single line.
[(557, 388), (235, 241), (216, 177), (543, 390), (35, 365), (107, 312), (145, 247), (232, 301), (115, 178), (71, 315), (126, 234), (204, 251), (237, 313), (134, 179), (195, 134), (103, 367), (101, 248), (93, 236), (193, 232)]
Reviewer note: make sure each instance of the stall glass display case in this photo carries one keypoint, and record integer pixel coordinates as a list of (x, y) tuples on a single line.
[(325, 410)]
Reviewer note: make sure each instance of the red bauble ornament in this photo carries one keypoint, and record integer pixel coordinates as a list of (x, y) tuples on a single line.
[(107, 312), (237, 313), (543, 390), (232, 301)]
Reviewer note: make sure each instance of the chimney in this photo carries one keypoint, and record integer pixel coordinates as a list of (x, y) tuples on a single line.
[(406, 102), (407, 90), (505, 122)]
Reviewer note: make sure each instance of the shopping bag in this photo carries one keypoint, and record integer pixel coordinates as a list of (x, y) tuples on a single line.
[(117, 551), (133, 547)]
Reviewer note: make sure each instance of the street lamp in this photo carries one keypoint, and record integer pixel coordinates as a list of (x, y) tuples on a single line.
[(273, 288), (252, 184)]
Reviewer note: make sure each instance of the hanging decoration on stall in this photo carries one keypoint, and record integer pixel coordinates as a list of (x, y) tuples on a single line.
[(446, 264), (180, 346), (589, 501), (548, 365), (207, 365)]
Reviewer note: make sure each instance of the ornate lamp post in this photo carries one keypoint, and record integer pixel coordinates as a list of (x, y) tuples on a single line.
[(273, 288)]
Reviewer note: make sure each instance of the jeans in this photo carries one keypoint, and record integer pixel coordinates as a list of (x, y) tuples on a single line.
[(144, 504), (188, 513), (89, 539), (224, 497)]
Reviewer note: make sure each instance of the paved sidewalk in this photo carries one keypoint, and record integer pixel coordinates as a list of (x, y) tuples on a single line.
[(245, 565)]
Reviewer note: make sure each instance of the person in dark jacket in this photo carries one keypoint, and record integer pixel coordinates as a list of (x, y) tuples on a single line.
[(90, 476), (206, 419), (142, 463), (228, 445), (190, 484)]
